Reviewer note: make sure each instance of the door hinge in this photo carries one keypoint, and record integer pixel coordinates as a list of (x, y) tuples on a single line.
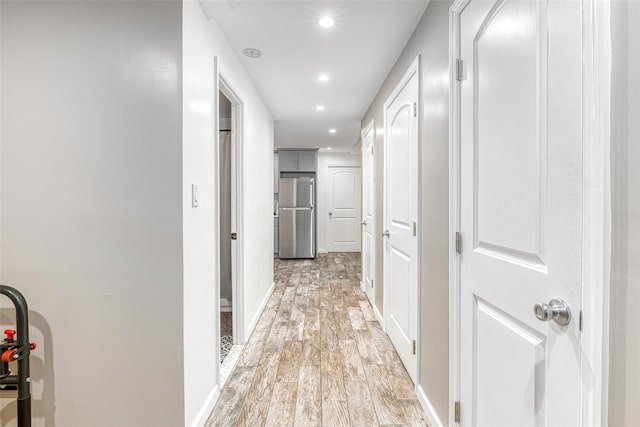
[(415, 109), (459, 70), (372, 283), (458, 242), (414, 229), (414, 347), (456, 412)]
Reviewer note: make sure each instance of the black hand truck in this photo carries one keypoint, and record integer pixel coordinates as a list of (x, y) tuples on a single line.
[(17, 350)]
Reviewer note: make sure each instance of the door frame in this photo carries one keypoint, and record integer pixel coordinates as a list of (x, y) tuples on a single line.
[(222, 84), (413, 69), (367, 129), (237, 130), (596, 205)]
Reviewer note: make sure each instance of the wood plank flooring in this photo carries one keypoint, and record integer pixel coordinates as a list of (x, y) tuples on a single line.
[(318, 357)]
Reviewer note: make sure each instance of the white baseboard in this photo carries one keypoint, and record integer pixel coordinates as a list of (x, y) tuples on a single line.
[(432, 416), (205, 411), (323, 251), (375, 309), (362, 285), (211, 400), (378, 315), (225, 305), (263, 304)]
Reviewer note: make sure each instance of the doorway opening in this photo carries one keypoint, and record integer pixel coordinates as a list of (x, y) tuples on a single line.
[(224, 191), (228, 149)]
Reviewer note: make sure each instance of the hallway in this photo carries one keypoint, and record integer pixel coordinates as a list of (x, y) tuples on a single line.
[(318, 356), (467, 168)]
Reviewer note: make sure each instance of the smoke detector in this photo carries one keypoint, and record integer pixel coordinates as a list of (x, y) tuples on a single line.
[(252, 53)]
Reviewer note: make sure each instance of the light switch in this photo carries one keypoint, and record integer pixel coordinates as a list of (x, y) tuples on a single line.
[(195, 199)]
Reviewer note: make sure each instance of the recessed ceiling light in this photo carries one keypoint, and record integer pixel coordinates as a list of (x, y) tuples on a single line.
[(252, 53), (320, 108), (326, 22), (332, 130), (323, 78), (328, 148)]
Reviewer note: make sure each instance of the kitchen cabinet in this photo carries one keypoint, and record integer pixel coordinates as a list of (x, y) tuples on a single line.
[(306, 161), (276, 171), (297, 160), (287, 160)]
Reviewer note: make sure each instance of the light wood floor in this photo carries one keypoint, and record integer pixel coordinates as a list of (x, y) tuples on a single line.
[(318, 357)]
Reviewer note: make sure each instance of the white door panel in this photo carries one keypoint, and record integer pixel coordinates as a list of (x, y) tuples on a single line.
[(399, 305), (344, 205), (400, 172), (508, 109), (500, 340), (346, 198), (521, 184), (345, 230), (401, 207)]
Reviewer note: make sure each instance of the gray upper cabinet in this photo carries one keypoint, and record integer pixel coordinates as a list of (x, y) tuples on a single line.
[(287, 160), (297, 160), (276, 172), (307, 161)]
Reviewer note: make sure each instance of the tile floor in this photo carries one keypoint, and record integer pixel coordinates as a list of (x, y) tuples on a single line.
[(318, 357), (226, 334), (226, 367)]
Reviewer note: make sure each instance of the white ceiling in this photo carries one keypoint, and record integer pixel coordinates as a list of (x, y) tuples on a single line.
[(357, 53)]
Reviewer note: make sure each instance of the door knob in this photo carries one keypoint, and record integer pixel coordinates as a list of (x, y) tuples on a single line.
[(234, 236), (364, 222), (386, 233), (557, 309), (330, 215)]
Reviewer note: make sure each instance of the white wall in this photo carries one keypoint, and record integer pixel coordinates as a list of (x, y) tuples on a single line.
[(203, 41), (92, 224), (200, 234), (325, 160), (431, 40), (257, 236), (624, 392)]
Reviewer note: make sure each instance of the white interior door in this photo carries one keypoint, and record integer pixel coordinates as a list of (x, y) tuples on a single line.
[(401, 216), (368, 203), (343, 208), (521, 186)]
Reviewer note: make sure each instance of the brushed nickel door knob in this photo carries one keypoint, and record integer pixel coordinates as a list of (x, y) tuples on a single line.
[(557, 310)]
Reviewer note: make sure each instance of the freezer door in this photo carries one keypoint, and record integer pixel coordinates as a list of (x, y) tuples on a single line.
[(296, 233), (296, 192)]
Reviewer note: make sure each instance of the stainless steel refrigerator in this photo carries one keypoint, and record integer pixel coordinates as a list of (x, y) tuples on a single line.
[(297, 224)]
